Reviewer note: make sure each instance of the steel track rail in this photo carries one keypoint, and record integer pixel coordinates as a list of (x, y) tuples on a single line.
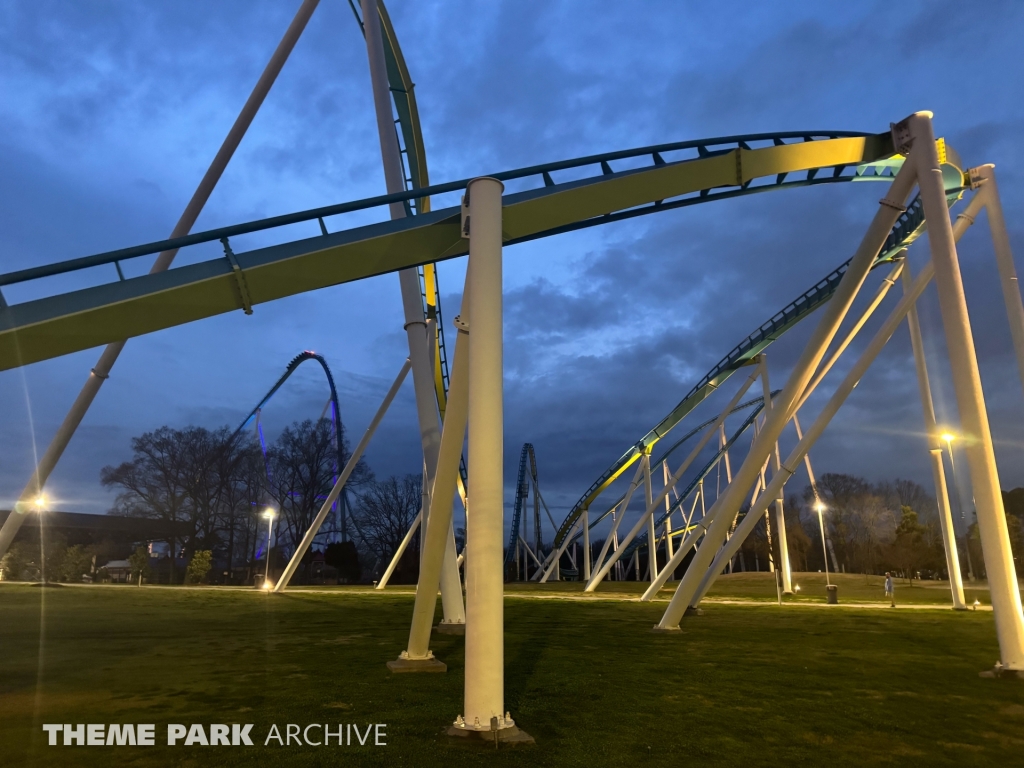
[(56, 325)]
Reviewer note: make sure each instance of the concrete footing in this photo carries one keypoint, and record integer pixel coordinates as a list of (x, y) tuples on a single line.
[(666, 630), (1001, 672), (691, 611), (429, 664), (450, 628), (513, 735)]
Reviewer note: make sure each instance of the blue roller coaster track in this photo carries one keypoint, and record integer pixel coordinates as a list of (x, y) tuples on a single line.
[(335, 418)]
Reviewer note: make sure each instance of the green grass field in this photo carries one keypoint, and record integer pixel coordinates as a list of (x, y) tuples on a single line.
[(741, 685)]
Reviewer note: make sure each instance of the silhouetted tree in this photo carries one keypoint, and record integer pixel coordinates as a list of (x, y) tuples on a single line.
[(385, 511)]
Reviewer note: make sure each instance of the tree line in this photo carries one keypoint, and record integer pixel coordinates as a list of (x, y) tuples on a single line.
[(872, 528), (212, 486)]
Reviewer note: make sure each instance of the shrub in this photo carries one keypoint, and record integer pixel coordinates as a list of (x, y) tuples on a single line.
[(199, 566)]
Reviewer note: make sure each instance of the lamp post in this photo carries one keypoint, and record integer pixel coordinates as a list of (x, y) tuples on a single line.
[(269, 516), (819, 508), (948, 438)]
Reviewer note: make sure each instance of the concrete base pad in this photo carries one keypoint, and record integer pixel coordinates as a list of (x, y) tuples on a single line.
[(691, 611), (417, 665), (450, 628), (961, 608), (666, 630), (1003, 673), (513, 735), (788, 594)]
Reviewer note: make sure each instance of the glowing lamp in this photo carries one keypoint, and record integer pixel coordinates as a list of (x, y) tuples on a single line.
[(267, 585), (269, 514), (949, 437), (40, 502)]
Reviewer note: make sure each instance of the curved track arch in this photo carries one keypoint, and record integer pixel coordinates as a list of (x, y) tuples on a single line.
[(414, 169), (296, 361), (292, 366)]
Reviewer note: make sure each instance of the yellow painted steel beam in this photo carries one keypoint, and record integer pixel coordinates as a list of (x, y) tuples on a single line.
[(58, 325)]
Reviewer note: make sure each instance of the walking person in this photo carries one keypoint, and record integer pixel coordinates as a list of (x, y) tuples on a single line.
[(889, 590)]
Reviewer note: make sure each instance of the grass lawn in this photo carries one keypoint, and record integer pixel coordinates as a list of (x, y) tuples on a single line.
[(855, 589), (742, 685)]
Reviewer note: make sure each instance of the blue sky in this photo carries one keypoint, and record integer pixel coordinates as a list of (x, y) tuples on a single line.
[(112, 111)]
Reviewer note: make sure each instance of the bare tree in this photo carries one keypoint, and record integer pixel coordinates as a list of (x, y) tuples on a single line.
[(154, 483), (385, 511), (301, 474)]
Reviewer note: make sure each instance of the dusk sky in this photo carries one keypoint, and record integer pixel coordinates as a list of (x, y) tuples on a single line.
[(112, 111)]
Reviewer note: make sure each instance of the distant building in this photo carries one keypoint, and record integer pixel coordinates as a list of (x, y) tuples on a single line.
[(119, 571)]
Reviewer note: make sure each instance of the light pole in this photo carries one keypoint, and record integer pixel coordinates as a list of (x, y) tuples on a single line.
[(819, 508), (948, 438), (269, 516)]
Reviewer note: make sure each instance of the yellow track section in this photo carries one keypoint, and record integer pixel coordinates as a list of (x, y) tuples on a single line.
[(69, 322)]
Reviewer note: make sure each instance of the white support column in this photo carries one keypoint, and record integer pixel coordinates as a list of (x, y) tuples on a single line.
[(833, 313), (484, 707), (668, 515), (956, 584), (586, 544), (439, 534), (780, 515), (415, 323), (986, 174), (981, 460), (652, 536)]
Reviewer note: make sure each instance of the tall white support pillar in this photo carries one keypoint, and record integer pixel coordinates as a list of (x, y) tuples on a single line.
[(956, 584), (986, 175), (668, 514), (586, 544), (981, 459), (780, 515), (417, 657), (409, 281), (484, 707), (652, 535)]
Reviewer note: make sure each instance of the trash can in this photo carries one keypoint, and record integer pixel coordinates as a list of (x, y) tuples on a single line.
[(833, 594)]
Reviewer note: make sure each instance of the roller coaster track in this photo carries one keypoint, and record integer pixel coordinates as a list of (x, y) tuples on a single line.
[(723, 168), (908, 228), (336, 418), (527, 463), (414, 168), (641, 537), (289, 370)]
